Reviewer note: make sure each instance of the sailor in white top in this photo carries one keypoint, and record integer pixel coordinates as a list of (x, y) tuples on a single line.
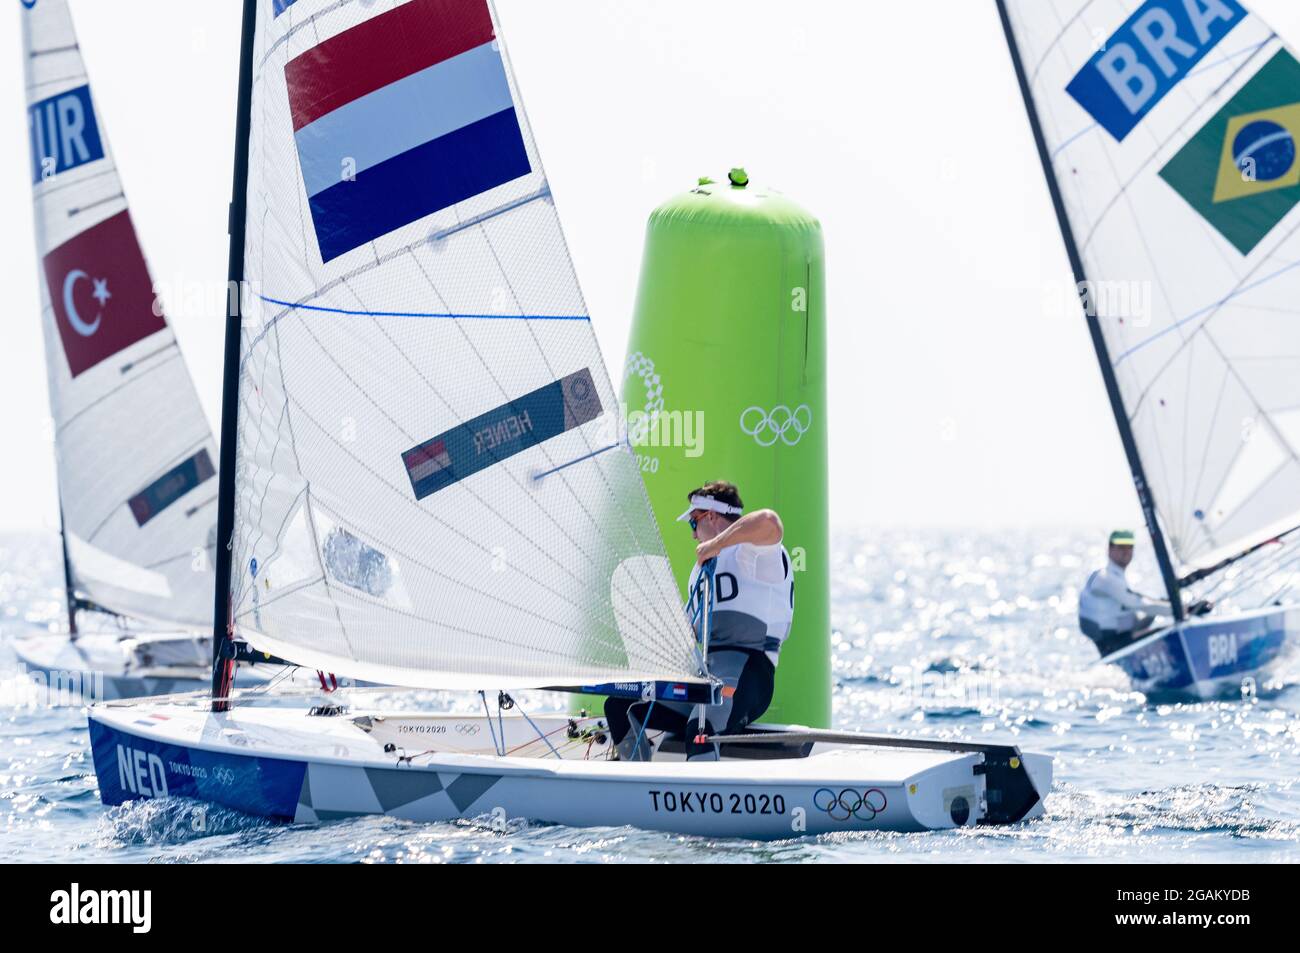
[(1110, 613), (753, 606)]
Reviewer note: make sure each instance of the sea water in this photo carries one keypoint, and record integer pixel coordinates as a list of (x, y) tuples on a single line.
[(961, 635)]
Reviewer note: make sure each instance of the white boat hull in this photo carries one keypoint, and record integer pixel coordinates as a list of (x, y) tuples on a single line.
[(277, 763)]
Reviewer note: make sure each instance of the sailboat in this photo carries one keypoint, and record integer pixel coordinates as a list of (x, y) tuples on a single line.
[(1168, 134), (421, 485), (135, 457)]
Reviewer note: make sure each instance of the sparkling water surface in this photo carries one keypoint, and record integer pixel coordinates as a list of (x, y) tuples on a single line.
[(944, 634)]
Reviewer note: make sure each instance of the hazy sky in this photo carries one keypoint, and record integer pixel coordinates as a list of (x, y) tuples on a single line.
[(961, 391)]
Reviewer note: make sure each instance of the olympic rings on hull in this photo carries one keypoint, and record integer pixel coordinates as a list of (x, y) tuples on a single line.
[(865, 806), (781, 423)]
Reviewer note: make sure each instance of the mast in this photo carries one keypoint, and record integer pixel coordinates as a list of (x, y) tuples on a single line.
[(223, 655), (1094, 329), (69, 590)]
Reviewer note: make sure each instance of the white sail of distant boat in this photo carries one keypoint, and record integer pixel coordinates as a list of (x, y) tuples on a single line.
[(135, 455), (1171, 128), (1168, 131), (430, 488)]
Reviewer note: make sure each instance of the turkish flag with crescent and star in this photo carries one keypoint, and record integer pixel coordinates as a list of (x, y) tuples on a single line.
[(101, 293)]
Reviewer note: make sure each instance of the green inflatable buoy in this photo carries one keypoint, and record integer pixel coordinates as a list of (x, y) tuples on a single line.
[(726, 380)]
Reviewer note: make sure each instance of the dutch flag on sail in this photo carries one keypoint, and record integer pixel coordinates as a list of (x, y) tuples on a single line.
[(400, 116)]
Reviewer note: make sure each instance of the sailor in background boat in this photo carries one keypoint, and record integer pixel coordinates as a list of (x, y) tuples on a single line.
[(1110, 613), (753, 606)]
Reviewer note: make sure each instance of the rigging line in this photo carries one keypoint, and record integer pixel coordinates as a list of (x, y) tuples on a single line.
[(670, 595), (1270, 564), (541, 193), (585, 456), (1285, 587), (415, 561), (428, 314), (1255, 575), (1160, 147), (539, 731), (1215, 307), (487, 713), (1253, 570), (1205, 573)]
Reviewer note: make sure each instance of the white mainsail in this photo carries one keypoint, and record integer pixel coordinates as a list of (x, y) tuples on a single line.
[(1172, 130), (430, 487), (135, 455)]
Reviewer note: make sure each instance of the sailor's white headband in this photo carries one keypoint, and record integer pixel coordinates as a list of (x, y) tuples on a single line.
[(709, 503)]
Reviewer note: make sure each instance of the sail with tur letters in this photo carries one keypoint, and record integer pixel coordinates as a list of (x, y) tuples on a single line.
[(429, 485), (1169, 129), (135, 456)]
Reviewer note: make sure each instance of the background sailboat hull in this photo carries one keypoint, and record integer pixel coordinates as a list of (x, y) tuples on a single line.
[(101, 666), (241, 760), (1209, 657), (97, 664)]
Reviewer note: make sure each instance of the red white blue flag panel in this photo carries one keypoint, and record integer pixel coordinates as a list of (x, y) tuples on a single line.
[(400, 116), (101, 293)]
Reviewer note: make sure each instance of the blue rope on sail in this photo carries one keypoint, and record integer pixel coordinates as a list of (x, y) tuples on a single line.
[(427, 314)]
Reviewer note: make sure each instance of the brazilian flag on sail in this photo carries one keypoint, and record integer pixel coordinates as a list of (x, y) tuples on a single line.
[(1241, 172)]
